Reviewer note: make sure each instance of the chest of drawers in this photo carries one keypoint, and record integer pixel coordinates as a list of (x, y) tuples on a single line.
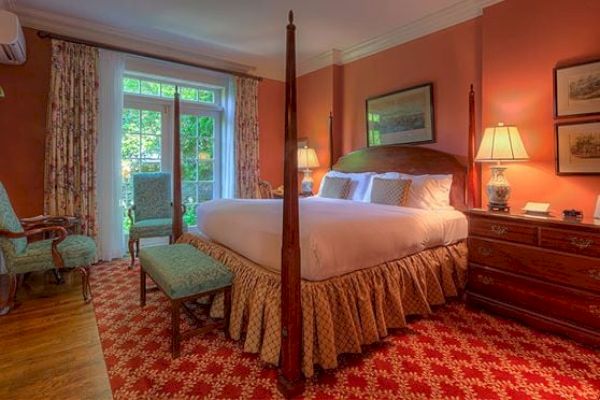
[(542, 271)]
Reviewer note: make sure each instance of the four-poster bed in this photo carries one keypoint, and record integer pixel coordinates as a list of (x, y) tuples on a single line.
[(298, 323)]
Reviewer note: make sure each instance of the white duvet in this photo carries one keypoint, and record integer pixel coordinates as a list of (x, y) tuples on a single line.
[(336, 236)]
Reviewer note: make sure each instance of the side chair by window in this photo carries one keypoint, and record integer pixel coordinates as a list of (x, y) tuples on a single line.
[(23, 253), (151, 212)]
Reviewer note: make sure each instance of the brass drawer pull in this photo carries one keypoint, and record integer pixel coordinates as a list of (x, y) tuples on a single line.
[(486, 280), (581, 243), (594, 274), (499, 230), (595, 310), (484, 251)]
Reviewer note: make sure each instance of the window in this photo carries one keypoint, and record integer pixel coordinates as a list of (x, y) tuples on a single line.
[(148, 138)]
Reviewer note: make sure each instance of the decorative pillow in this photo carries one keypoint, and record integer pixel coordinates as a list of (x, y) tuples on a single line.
[(393, 192), (335, 188), (385, 175), (359, 182)]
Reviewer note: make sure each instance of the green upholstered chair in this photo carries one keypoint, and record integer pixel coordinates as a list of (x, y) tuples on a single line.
[(151, 212), (62, 251)]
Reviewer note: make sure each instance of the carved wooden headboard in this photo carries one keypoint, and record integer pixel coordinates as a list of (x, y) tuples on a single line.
[(409, 160)]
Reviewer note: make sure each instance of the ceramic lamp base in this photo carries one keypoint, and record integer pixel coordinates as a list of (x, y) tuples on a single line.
[(307, 183), (498, 190)]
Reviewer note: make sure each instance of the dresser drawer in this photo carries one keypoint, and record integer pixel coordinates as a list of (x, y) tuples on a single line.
[(578, 272), (519, 233), (586, 244), (580, 307)]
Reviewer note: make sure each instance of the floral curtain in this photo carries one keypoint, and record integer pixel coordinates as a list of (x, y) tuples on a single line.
[(246, 137), (70, 170)]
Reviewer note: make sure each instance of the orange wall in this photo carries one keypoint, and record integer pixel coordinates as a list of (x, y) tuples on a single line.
[(449, 58), (22, 126), (508, 53), (315, 102), (271, 106), (522, 42)]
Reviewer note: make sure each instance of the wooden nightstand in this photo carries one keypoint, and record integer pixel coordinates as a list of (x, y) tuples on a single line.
[(542, 271)]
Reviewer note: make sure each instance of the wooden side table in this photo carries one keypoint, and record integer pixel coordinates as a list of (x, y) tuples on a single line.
[(542, 271)]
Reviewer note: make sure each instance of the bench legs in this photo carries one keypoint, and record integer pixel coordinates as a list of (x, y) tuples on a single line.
[(142, 287)]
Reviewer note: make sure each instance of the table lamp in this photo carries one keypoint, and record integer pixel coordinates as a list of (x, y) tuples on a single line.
[(500, 143), (307, 159)]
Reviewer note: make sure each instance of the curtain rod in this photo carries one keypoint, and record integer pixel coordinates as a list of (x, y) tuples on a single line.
[(50, 35)]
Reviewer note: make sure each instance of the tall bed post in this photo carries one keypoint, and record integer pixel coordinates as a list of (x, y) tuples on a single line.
[(290, 380), (177, 211), (473, 184), (331, 161)]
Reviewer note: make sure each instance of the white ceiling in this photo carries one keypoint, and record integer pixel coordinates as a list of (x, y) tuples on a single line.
[(250, 34)]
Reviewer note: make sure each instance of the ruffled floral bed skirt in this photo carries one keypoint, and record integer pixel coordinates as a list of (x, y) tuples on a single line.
[(340, 314)]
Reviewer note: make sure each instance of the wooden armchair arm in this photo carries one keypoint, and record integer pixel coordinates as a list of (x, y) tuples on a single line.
[(61, 235), (44, 220), (130, 212)]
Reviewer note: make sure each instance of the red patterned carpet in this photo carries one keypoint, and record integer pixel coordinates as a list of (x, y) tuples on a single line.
[(456, 353)]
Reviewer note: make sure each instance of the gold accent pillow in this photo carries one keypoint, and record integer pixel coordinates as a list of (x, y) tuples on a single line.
[(336, 188), (393, 192)]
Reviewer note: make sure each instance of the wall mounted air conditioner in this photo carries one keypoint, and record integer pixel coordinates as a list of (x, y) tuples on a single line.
[(12, 40)]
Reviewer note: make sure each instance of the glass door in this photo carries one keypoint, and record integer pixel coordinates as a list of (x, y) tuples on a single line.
[(200, 147)]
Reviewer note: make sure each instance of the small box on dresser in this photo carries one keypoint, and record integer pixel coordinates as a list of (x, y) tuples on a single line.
[(542, 271)]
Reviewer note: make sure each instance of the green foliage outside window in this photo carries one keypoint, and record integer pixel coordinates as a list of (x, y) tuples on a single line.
[(145, 87)]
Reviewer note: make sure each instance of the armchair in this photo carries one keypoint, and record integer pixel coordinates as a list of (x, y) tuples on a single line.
[(61, 251), (151, 212)]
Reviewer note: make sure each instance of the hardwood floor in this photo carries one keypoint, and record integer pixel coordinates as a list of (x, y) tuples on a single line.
[(50, 347)]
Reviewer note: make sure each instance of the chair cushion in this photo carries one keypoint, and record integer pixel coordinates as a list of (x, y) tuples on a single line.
[(10, 222), (181, 270), (152, 228), (76, 251)]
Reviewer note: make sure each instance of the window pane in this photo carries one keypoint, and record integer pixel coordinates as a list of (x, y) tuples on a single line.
[(205, 170), (189, 170), (150, 146), (205, 150), (190, 214), (130, 147), (151, 122), (131, 85), (150, 166), (167, 90), (205, 191), (189, 125), (207, 127), (151, 88), (190, 94), (131, 120), (206, 96), (188, 191)]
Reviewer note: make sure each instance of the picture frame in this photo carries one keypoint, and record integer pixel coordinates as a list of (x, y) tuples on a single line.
[(578, 147), (404, 116), (577, 89)]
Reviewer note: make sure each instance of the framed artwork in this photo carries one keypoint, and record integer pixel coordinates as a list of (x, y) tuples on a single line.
[(578, 148), (402, 117), (577, 89)]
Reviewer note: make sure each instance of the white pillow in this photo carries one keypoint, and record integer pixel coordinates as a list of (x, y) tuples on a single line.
[(428, 192), (359, 183)]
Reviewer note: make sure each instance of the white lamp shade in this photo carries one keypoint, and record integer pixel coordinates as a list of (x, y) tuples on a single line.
[(501, 143), (307, 158)]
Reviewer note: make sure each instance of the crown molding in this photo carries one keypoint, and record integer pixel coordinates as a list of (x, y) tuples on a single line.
[(185, 50), (445, 18), (331, 57)]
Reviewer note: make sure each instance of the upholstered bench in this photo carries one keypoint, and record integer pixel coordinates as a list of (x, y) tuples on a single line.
[(183, 273)]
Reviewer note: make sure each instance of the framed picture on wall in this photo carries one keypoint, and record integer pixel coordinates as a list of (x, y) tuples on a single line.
[(577, 89), (402, 117), (578, 148)]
